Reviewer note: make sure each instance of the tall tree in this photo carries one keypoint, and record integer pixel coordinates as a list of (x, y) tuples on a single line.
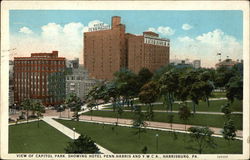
[(144, 76), (169, 82), (229, 130), (234, 88), (83, 144), (39, 109), (127, 84), (75, 104), (26, 105), (139, 120), (184, 113), (148, 94), (202, 136)]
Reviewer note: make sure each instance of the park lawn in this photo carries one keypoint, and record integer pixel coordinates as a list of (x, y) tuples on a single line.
[(215, 106), (28, 138), (124, 140), (197, 119)]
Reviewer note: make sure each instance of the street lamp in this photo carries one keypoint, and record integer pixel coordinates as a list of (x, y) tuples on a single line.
[(156, 142), (74, 133)]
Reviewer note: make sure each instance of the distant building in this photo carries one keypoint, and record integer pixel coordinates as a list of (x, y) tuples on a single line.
[(108, 49), (229, 63), (78, 82), (181, 63), (148, 51), (11, 83), (197, 64), (41, 76)]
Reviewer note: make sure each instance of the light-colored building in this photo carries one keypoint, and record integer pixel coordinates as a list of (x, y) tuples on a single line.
[(229, 63), (78, 82), (11, 83), (197, 64)]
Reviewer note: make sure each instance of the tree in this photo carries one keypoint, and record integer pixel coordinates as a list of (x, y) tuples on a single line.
[(229, 130), (74, 103), (169, 82), (170, 119), (127, 84), (83, 144), (184, 113), (226, 110), (202, 136), (148, 94), (39, 109), (234, 88), (139, 120), (26, 105), (144, 76)]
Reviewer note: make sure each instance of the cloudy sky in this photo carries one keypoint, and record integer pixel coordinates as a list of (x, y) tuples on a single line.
[(193, 34)]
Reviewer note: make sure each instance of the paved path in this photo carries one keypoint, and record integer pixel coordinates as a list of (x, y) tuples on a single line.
[(69, 132), (162, 125), (197, 112)]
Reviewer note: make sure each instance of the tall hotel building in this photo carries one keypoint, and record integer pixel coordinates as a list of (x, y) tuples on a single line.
[(40, 76), (108, 49)]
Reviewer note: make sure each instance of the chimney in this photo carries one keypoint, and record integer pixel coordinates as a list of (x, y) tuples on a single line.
[(116, 20)]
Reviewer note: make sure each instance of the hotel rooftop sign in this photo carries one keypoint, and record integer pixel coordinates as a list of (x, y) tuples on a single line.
[(99, 27)]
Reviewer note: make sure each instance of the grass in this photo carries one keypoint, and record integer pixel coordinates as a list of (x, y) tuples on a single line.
[(28, 138), (215, 106), (124, 140), (197, 119)]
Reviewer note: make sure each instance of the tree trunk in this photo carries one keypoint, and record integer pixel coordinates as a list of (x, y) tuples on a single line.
[(207, 99), (194, 109), (27, 115)]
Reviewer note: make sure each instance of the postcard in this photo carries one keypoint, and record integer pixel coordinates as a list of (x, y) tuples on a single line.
[(124, 80)]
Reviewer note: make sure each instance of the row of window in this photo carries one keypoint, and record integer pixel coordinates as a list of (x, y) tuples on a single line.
[(39, 62)]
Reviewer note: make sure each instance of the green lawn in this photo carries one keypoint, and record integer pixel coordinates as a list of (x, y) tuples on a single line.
[(215, 106), (124, 140), (28, 138), (197, 119)]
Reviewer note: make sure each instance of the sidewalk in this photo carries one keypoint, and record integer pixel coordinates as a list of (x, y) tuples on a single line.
[(197, 112), (69, 132), (159, 125)]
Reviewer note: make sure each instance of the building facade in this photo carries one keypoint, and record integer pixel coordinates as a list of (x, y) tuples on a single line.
[(108, 49), (229, 63), (41, 76), (105, 51), (78, 82), (197, 64), (148, 51)]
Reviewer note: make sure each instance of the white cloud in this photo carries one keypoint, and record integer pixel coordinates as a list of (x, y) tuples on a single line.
[(166, 31), (67, 39), (186, 27), (206, 47), (25, 30)]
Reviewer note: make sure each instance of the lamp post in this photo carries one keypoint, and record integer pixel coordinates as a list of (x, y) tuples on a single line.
[(156, 142), (74, 133)]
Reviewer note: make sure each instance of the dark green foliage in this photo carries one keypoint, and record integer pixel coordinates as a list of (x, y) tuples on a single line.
[(184, 113), (229, 130), (139, 120), (83, 144), (202, 136), (234, 89), (170, 118), (144, 76), (226, 109), (144, 150), (74, 103)]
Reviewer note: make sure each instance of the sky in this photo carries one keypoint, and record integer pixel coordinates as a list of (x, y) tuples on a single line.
[(193, 35)]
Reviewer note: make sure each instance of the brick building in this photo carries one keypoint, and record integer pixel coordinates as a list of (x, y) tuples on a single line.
[(40, 76), (108, 49)]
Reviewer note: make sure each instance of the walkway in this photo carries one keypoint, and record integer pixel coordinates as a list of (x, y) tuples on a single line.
[(69, 132), (158, 125), (197, 112)]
